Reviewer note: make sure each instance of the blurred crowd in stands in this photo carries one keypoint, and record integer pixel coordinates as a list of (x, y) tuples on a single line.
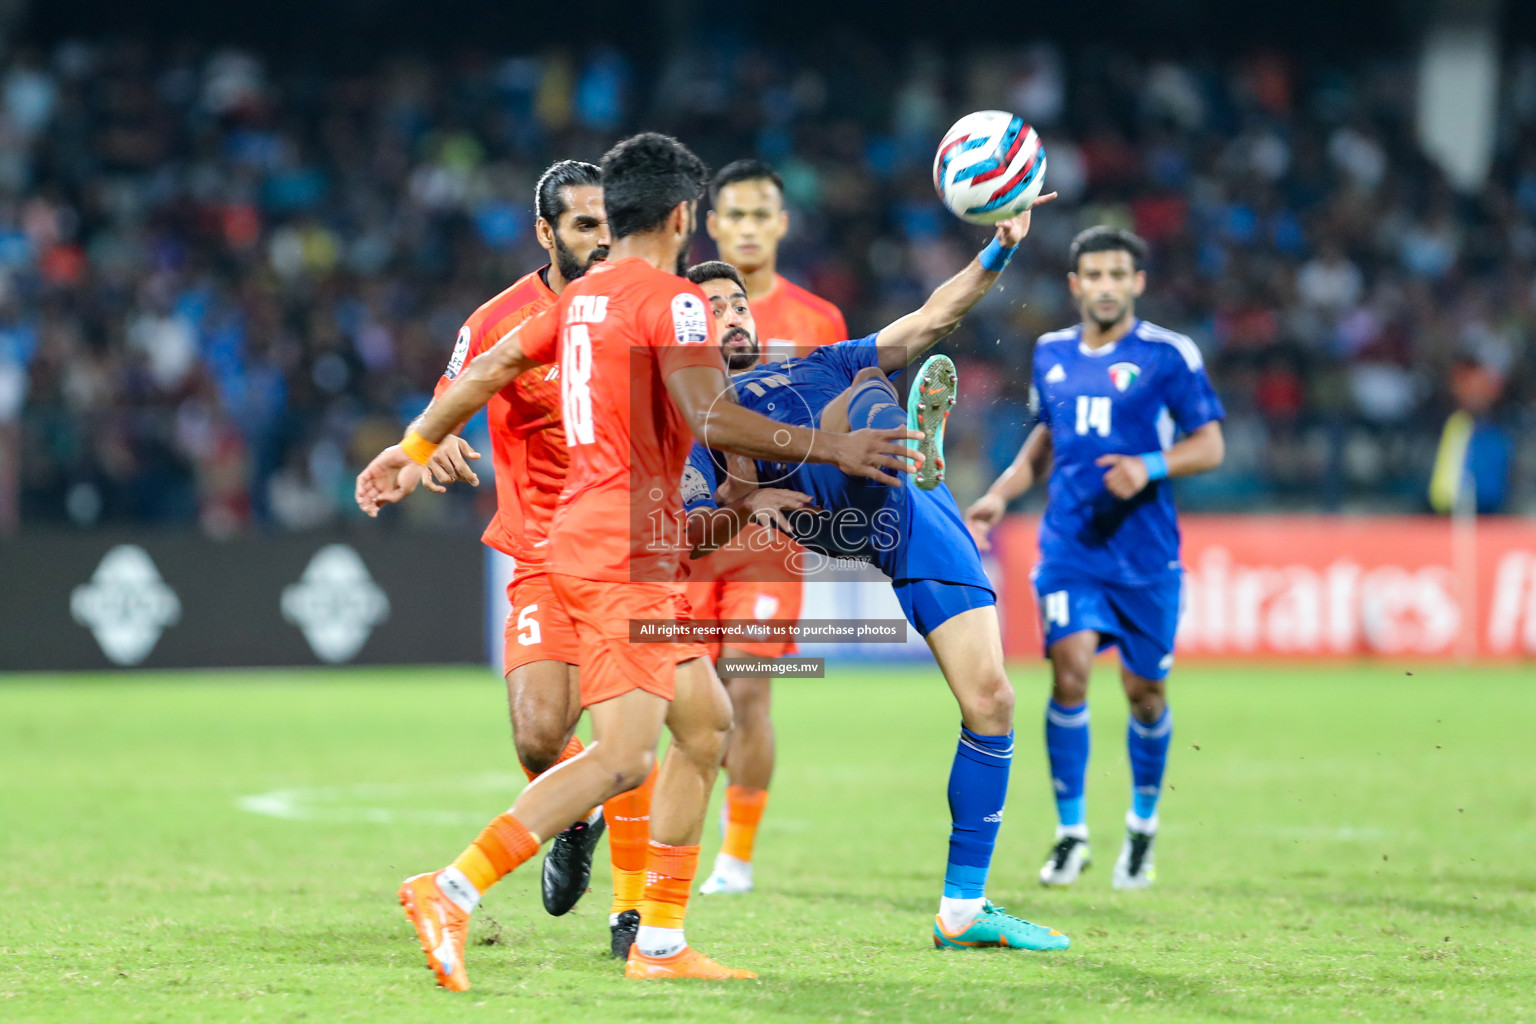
[(224, 284)]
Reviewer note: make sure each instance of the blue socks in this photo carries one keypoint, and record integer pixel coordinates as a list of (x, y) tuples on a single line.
[(1067, 743), (1147, 745), (978, 788)]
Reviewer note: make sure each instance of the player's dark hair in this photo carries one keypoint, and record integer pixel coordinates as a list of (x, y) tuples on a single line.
[(644, 178), (750, 169), (549, 194), (716, 270), (1102, 238)]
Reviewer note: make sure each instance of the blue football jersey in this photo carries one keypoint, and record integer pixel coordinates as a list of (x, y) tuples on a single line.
[(905, 532), (792, 391), (1127, 398), (795, 391)]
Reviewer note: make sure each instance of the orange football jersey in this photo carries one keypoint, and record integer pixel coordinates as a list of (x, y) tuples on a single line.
[(618, 333), (527, 445), (792, 321)]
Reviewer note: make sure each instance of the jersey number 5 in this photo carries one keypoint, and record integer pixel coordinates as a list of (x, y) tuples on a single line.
[(575, 385), (1093, 414), (528, 626)]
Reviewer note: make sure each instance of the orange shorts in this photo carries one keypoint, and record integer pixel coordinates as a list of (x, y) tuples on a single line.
[(610, 664), (538, 626), (752, 600)]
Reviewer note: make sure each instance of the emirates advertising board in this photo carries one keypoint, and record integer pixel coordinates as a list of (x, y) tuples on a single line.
[(1329, 586)]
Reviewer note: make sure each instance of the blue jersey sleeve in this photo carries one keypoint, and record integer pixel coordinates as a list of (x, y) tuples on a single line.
[(1039, 408), (850, 356), (700, 479), (1191, 400)]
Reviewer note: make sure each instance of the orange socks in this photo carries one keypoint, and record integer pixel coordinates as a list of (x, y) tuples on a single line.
[(629, 830), (743, 810), (571, 750), (503, 846), (669, 872)]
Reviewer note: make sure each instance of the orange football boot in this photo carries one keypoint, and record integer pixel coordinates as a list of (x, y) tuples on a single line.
[(441, 926), (689, 963)]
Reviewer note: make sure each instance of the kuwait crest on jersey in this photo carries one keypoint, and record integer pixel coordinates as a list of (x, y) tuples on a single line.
[(1123, 375)]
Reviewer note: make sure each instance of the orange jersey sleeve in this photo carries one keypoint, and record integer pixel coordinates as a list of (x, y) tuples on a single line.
[(527, 444), (686, 332), (539, 338)]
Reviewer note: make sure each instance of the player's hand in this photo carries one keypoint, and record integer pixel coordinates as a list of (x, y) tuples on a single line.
[(766, 506), (740, 479), (412, 477), (870, 452), (1011, 232), (1126, 476), (379, 483), (450, 464), (983, 514)]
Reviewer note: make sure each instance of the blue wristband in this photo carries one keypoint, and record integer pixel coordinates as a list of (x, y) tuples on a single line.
[(994, 257), (1157, 466)]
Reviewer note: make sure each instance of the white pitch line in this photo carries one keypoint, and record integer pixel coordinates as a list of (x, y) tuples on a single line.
[(362, 802), (368, 802)]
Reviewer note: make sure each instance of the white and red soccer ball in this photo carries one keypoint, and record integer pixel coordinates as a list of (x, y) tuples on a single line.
[(989, 167)]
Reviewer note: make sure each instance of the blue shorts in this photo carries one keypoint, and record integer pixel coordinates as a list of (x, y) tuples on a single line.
[(905, 532), (930, 603), (1140, 620)]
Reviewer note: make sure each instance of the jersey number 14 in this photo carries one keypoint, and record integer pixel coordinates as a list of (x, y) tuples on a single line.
[(1093, 415)]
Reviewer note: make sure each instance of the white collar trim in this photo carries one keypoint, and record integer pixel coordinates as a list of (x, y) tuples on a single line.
[(1102, 350), (1105, 350)]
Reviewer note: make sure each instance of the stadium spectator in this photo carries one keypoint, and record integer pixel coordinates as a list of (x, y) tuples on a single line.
[(217, 275)]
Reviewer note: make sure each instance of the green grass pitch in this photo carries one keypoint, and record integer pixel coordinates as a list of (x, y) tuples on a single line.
[(1340, 843)]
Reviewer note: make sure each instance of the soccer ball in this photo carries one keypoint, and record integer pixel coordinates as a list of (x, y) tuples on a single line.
[(989, 167)]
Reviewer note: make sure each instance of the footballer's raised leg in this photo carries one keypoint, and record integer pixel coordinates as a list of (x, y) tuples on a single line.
[(917, 536)]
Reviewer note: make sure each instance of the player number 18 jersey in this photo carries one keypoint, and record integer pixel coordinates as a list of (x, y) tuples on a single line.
[(618, 333)]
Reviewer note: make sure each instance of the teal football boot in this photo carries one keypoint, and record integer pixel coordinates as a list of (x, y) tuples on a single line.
[(992, 927), (933, 394)]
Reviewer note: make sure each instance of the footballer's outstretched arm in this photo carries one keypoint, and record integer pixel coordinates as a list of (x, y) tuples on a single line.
[(380, 481), (485, 375), (1032, 463), (704, 396), (905, 340)]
